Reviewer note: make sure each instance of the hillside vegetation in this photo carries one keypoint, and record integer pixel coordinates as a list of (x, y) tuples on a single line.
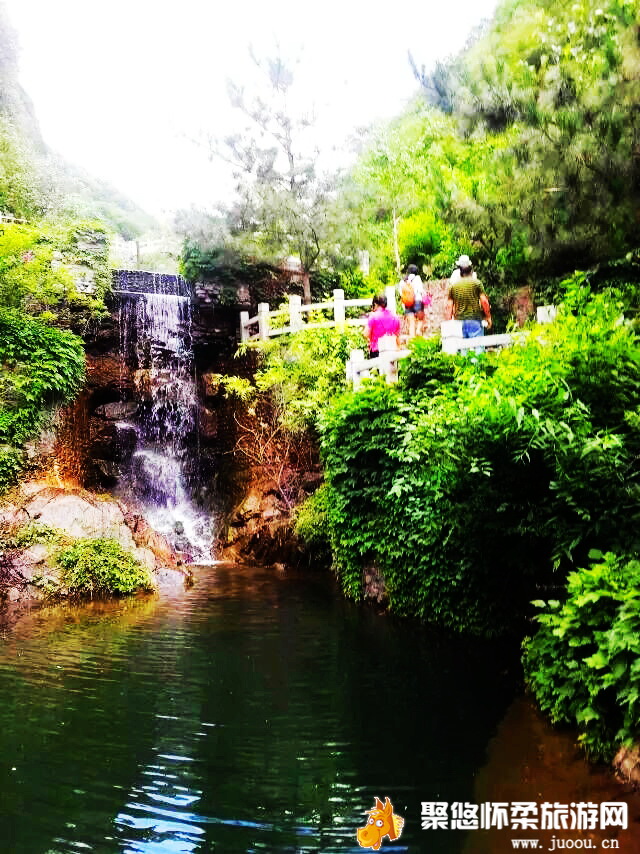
[(500, 494)]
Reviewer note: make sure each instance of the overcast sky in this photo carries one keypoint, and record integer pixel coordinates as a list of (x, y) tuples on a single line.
[(121, 86)]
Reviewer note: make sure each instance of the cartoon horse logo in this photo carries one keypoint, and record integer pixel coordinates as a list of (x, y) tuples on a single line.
[(382, 822)]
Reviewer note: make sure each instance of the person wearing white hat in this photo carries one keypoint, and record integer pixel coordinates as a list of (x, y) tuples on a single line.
[(455, 276), (467, 300)]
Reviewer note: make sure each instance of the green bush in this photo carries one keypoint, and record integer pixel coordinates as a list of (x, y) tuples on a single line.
[(39, 367), (36, 532), (470, 482), (11, 462), (100, 567), (583, 664), (311, 517), (35, 275), (428, 369), (303, 372), (311, 523)]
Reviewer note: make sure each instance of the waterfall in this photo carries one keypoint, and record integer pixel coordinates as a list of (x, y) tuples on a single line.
[(161, 478)]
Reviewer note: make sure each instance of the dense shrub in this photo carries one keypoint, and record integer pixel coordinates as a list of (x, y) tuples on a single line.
[(428, 369), (473, 479), (41, 364), (35, 272), (39, 367), (11, 462), (583, 664), (99, 567), (311, 524)]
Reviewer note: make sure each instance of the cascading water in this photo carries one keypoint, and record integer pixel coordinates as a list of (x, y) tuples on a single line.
[(161, 479)]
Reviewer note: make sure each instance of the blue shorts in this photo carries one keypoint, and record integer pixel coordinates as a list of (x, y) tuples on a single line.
[(472, 329), (413, 309)]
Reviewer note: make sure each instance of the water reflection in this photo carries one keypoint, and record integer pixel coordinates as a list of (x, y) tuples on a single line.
[(258, 713)]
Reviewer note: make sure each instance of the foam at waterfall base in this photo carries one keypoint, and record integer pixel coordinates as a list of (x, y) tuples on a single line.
[(197, 530)]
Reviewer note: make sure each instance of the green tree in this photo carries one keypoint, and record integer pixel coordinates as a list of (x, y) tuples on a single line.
[(282, 199), (559, 83)]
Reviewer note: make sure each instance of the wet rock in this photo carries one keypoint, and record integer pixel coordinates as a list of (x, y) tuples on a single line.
[(626, 764), (107, 372), (142, 383), (126, 440), (182, 545), (208, 421), (250, 507), (108, 470), (311, 480), (210, 384), (146, 537), (119, 411)]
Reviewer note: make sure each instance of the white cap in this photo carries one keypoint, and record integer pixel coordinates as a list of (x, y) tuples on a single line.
[(463, 261)]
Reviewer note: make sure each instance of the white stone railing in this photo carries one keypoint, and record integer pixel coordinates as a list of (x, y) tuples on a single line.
[(453, 342), (295, 316), (8, 217), (386, 363)]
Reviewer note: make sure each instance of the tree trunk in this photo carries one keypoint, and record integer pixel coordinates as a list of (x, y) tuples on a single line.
[(306, 287), (396, 248)]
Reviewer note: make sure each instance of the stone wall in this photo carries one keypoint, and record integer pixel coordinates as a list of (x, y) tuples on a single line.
[(144, 282)]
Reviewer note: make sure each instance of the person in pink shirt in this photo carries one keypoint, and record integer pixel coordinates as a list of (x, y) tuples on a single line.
[(381, 322)]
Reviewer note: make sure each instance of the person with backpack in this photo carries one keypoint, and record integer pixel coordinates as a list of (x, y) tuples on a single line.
[(413, 299)]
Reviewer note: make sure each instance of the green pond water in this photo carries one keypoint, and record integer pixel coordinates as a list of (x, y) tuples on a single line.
[(258, 712)]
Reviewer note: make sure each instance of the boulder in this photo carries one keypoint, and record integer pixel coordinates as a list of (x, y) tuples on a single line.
[(145, 537), (627, 764), (109, 471), (79, 514)]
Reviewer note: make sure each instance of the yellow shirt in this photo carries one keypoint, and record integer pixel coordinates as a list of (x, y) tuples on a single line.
[(465, 295)]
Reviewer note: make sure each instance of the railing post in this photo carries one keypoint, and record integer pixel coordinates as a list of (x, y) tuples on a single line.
[(546, 313), (338, 308), (451, 335), (356, 361), (390, 293), (244, 325), (263, 320), (295, 314), (386, 347)]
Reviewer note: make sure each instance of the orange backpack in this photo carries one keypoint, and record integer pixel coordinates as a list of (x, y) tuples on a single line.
[(407, 295)]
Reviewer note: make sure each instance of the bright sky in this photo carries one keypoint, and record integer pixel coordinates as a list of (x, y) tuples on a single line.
[(120, 87)]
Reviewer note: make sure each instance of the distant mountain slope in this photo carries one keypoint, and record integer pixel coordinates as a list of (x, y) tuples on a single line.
[(14, 101), (36, 181)]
